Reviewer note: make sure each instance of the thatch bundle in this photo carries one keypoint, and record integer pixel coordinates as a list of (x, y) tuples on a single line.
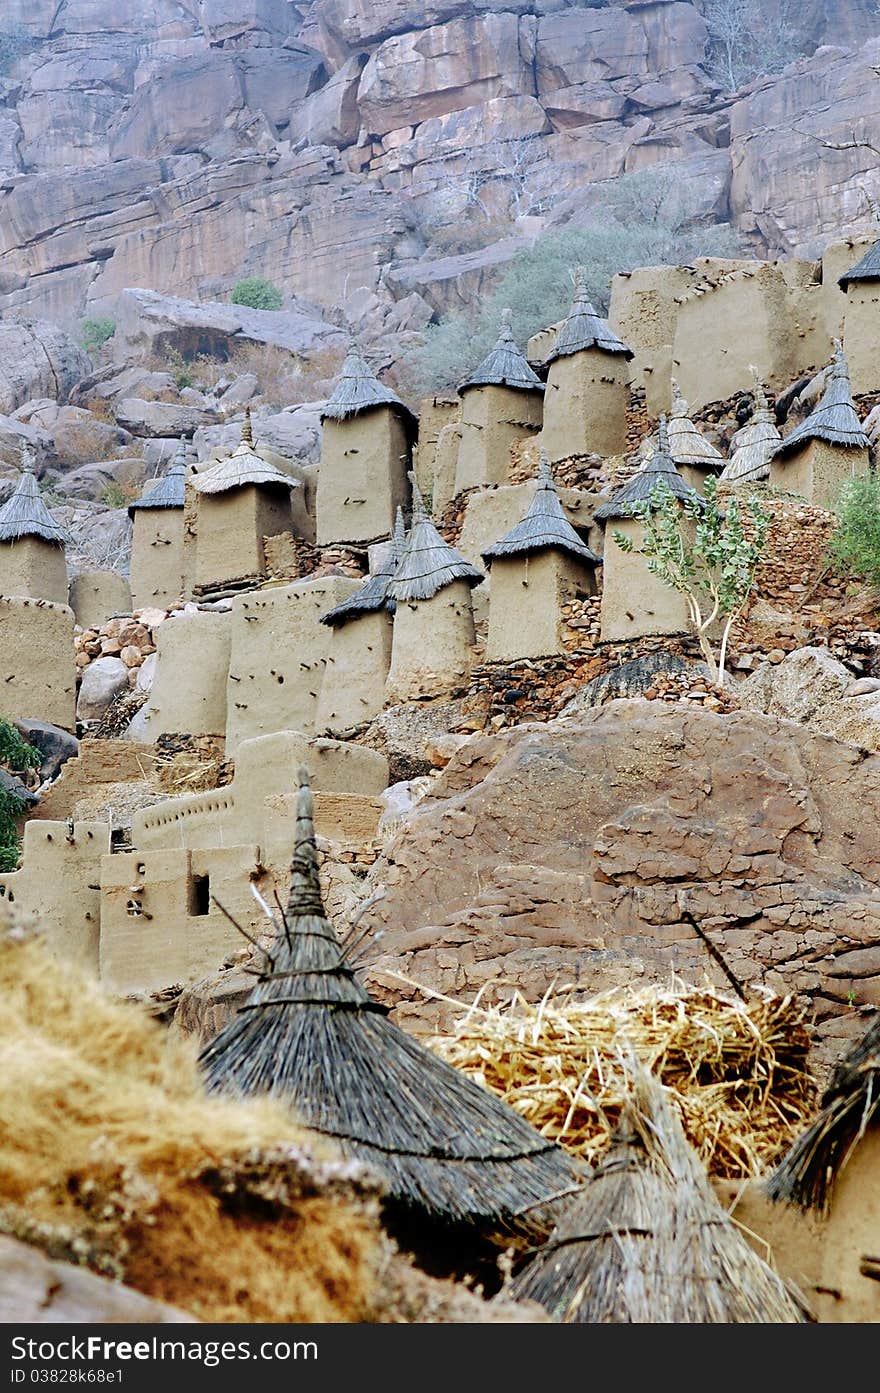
[(738, 1072), (169, 491), (656, 468), (24, 514), (358, 389), (686, 444), (867, 269), (583, 328), (428, 563), (850, 1105), (243, 467), (111, 1156), (505, 366), (646, 1241), (544, 527), (373, 594), (311, 1034), (754, 444), (834, 419)]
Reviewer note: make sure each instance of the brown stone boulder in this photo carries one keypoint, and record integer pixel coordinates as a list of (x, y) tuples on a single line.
[(575, 852)]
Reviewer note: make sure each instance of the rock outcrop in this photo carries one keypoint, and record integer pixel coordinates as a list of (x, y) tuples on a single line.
[(36, 1290), (576, 852)]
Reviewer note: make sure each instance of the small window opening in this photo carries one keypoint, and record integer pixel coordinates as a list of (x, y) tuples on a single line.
[(199, 895)]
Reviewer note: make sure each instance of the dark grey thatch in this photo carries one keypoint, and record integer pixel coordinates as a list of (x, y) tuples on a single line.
[(850, 1105), (169, 491), (868, 269), (373, 594), (505, 366), (755, 443), (312, 1035), (544, 526), (359, 389), (645, 1241), (834, 420), (245, 466), (24, 514), (428, 563), (584, 328), (639, 488)]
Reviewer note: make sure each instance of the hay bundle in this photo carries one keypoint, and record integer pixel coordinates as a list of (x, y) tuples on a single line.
[(310, 1033), (646, 1240), (738, 1071), (112, 1156)]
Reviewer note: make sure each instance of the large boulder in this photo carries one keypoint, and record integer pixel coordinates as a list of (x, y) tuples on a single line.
[(35, 1290), (37, 359), (55, 745), (812, 687), (577, 852), (162, 418), (102, 681)]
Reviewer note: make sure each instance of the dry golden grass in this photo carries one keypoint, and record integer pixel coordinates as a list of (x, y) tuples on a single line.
[(112, 1155), (738, 1071)]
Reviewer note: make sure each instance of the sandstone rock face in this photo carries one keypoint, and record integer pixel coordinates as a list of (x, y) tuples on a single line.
[(149, 322), (574, 852), (37, 359), (812, 687)]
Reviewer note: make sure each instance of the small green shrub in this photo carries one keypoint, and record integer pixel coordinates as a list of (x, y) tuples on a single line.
[(257, 294), (855, 544), (115, 496), (97, 332), (180, 369), (16, 756)]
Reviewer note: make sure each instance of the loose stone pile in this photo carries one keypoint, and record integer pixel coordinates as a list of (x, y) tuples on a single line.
[(681, 686), (131, 640)]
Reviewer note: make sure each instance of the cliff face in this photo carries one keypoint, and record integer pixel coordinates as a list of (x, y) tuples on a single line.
[(333, 145)]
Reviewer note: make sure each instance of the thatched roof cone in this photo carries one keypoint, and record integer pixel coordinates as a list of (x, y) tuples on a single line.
[(867, 269), (755, 443), (358, 389), (657, 466), (834, 420), (312, 1035), (544, 527), (850, 1105), (24, 514), (428, 563), (505, 366), (170, 490), (686, 444), (373, 594), (584, 328), (244, 466), (645, 1241)]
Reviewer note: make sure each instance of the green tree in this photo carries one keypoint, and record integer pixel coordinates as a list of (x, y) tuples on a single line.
[(97, 332), (855, 543), (257, 294), (705, 552), (16, 756)]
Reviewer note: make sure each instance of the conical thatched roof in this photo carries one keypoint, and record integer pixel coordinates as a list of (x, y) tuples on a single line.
[(428, 563), (868, 269), (645, 1241), (373, 594), (584, 328), (312, 1035), (686, 444), (505, 366), (24, 514), (244, 466), (359, 389), (834, 420), (544, 526), (850, 1105), (639, 488), (755, 443), (169, 491)]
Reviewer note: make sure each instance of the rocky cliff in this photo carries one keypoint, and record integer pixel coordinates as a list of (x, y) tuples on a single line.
[(338, 146)]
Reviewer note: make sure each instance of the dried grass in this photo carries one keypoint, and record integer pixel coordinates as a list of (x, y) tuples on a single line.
[(112, 1156), (738, 1072)]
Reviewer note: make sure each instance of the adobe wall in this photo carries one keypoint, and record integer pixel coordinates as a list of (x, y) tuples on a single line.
[(445, 465), (59, 881), (636, 603), (362, 479), (643, 313), (159, 926), (525, 603), (279, 650), (230, 528), (192, 667), (37, 671), (837, 258), (861, 334), (34, 567), (492, 418), (431, 647), (157, 563), (818, 471), (98, 762), (95, 596), (190, 537), (353, 686), (434, 413), (586, 405)]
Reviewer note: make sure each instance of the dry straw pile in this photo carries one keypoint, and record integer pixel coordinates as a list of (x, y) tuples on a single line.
[(738, 1071)]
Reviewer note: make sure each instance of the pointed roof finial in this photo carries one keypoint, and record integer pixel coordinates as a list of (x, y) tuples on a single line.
[(663, 436), (305, 886), (506, 365), (761, 403), (27, 458), (679, 405), (398, 539), (419, 510), (247, 430), (545, 471), (583, 328)]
